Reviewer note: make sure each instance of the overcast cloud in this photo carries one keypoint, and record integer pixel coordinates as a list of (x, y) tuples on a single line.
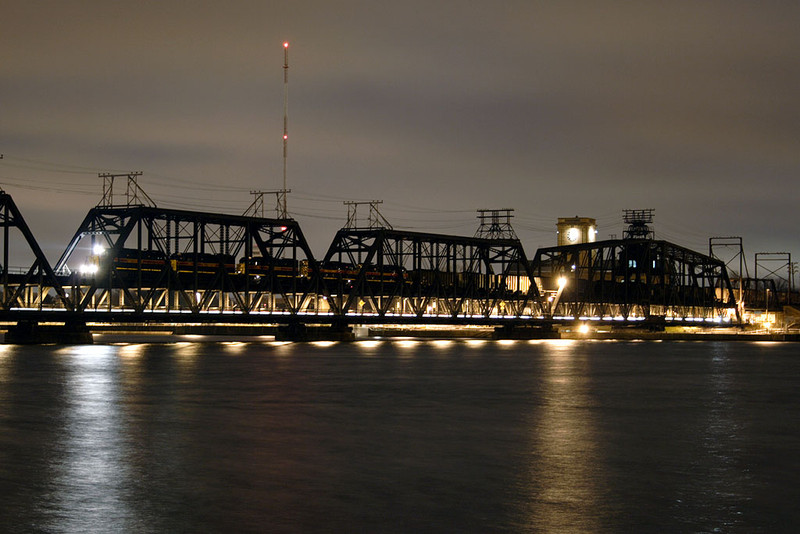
[(438, 108)]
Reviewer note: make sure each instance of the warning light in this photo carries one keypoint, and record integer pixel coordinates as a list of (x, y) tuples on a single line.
[(286, 44), (285, 136), (283, 228)]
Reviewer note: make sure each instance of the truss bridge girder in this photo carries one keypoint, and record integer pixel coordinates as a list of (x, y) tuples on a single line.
[(144, 259), (634, 279), (397, 274)]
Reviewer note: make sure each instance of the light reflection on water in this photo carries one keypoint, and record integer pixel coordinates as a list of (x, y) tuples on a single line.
[(399, 436), (89, 468), (563, 474)]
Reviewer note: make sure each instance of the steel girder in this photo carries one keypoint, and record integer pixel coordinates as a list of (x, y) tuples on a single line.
[(155, 259), (393, 273), (36, 286), (633, 279)]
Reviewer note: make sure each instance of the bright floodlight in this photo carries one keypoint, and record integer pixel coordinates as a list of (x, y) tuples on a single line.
[(562, 282), (98, 249), (88, 268)]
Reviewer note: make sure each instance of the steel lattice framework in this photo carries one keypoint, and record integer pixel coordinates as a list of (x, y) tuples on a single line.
[(147, 259), (35, 287), (419, 275), (634, 279), (139, 263)]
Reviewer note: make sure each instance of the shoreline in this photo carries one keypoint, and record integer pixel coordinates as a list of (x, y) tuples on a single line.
[(125, 336)]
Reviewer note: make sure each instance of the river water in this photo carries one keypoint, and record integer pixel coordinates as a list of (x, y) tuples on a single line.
[(401, 436)]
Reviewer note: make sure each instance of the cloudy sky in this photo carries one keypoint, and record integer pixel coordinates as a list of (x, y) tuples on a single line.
[(439, 108)]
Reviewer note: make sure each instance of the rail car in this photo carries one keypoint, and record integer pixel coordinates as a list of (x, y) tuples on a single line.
[(341, 278), (259, 266), (153, 268), (202, 270), (131, 267)]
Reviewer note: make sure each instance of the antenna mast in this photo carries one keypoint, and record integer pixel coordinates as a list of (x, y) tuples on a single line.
[(284, 209)]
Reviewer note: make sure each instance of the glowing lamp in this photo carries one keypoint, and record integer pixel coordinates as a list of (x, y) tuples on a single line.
[(562, 282), (88, 268)]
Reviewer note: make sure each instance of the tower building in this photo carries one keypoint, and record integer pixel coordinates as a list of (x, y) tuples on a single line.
[(576, 230)]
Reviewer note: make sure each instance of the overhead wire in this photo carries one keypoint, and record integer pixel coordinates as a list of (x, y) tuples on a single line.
[(535, 221)]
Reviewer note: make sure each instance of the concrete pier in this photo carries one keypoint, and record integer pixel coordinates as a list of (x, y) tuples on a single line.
[(524, 332), (33, 333), (301, 332)]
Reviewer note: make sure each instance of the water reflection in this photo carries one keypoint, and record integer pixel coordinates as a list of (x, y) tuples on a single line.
[(719, 478), (402, 435), (369, 344), (564, 473), (406, 343), (234, 347), (89, 468), (324, 344)]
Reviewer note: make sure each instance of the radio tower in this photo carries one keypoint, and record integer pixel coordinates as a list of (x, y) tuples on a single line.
[(284, 210)]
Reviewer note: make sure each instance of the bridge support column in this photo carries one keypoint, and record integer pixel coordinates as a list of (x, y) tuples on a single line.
[(301, 332), (511, 331), (32, 333)]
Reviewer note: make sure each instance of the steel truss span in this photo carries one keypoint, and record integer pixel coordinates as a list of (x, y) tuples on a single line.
[(135, 263), (634, 279), (396, 274), (147, 259)]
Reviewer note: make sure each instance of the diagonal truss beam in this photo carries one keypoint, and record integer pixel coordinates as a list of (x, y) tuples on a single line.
[(37, 283)]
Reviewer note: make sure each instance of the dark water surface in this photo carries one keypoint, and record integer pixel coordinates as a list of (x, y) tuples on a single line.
[(401, 436)]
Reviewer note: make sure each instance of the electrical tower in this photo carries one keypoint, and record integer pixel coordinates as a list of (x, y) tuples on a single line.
[(638, 222), (256, 209), (495, 224), (737, 275), (374, 218), (774, 263), (134, 195)]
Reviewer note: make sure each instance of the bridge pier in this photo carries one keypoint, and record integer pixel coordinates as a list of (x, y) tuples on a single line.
[(33, 333), (302, 332), (511, 331)]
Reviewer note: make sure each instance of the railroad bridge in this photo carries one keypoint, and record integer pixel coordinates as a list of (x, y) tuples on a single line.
[(140, 264)]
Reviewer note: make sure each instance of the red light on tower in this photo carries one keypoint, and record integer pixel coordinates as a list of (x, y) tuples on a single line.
[(286, 44)]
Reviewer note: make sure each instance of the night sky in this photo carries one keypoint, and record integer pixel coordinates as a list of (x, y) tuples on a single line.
[(555, 109)]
